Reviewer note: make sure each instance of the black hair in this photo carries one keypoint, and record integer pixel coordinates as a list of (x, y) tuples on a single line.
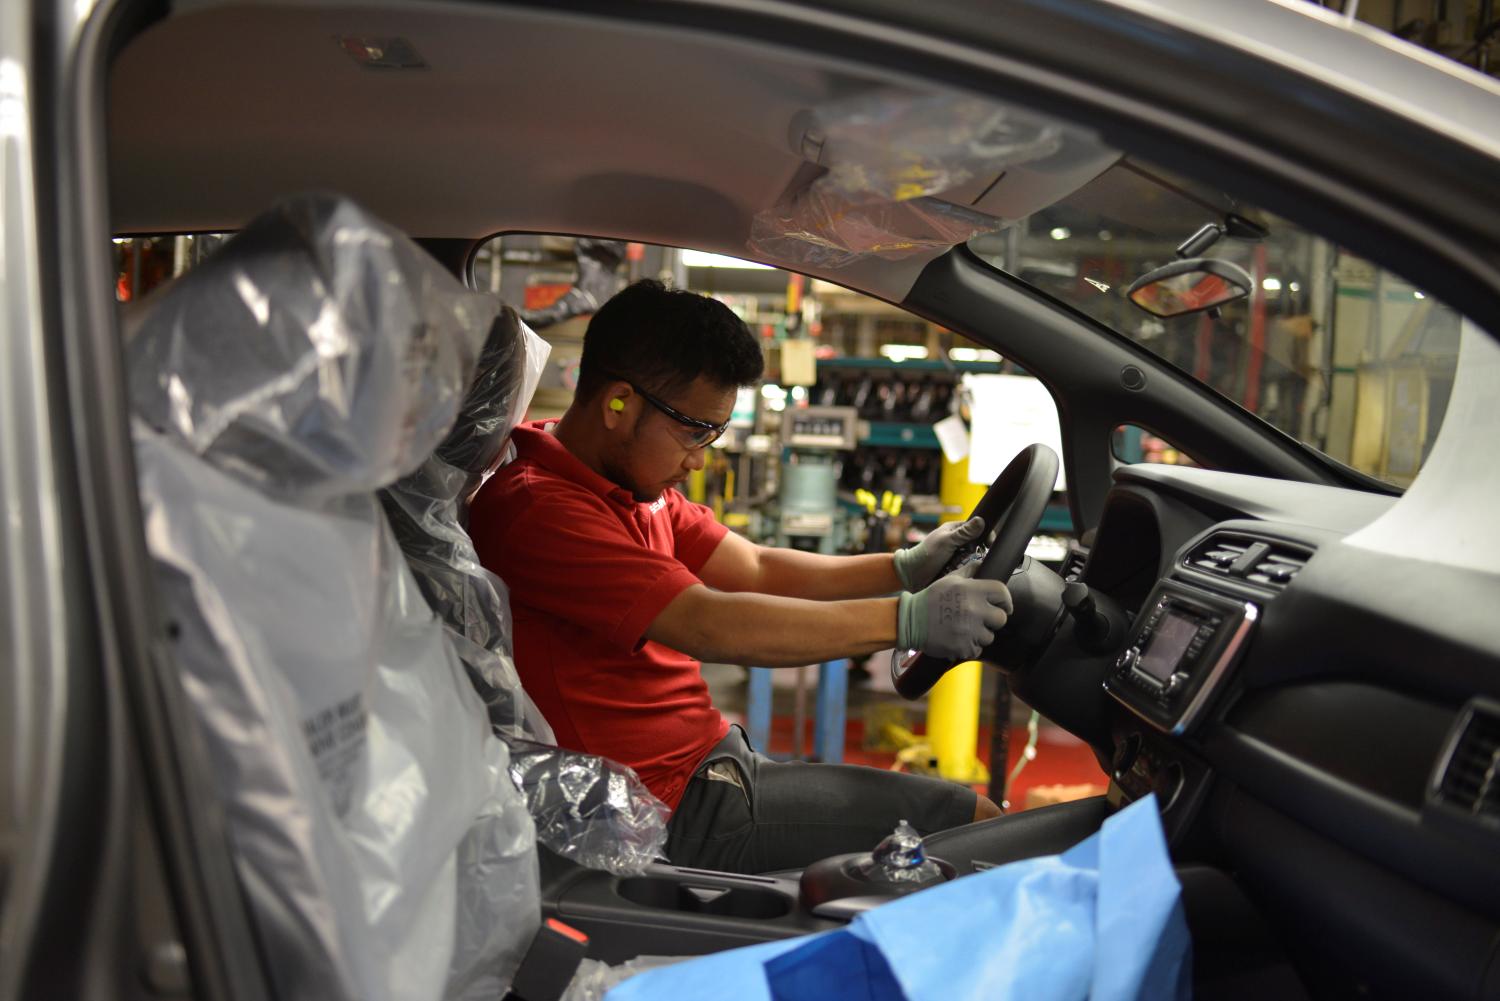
[(663, 339)]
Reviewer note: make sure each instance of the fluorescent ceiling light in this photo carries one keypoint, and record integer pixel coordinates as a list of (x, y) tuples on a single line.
[(1061, 233), (1271, 284), (903, 352), (703, 259)]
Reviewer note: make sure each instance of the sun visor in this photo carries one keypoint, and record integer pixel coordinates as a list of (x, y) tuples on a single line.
[(1022, 189), (894, 145), (319, 353), (898, 174), (825, 228)]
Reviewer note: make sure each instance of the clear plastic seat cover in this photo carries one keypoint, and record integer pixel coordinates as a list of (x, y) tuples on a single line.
[(382, 846)]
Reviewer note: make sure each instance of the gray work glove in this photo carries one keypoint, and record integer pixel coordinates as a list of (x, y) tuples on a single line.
[(919, 565), (954, 618)]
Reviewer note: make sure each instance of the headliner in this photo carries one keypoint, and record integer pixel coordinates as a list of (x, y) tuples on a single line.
[(520, 121)]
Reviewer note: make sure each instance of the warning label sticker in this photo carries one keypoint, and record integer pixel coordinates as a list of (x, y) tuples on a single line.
[(336, 738)]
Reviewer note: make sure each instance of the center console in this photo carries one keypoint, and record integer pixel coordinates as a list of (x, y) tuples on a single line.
[(1184, 642), (679, 911)]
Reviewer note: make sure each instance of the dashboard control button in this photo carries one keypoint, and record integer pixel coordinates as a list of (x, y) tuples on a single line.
[(1129, 658)]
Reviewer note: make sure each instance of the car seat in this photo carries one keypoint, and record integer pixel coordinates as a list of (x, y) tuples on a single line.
[(588, 809), (382, 847)]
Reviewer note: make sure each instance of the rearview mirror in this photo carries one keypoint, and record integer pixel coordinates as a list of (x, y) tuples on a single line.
[(1189, 286)]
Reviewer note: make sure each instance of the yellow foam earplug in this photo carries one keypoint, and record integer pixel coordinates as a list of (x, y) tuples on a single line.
[(617, 405)]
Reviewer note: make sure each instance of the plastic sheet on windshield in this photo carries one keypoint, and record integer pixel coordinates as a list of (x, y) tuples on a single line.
[(384, 851), (888, 156)]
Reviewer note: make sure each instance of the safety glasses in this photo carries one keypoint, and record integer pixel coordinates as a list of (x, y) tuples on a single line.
[(699, 434)]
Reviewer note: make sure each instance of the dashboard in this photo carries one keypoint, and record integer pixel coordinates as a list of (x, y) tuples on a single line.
[(1317, 719)]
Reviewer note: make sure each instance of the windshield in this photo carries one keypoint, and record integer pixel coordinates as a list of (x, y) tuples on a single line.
[(1344, 356)]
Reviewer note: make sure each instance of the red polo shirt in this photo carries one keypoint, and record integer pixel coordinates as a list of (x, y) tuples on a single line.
[(588, 570)]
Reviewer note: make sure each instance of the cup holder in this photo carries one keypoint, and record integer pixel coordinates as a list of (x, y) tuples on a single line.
[(705, 898)]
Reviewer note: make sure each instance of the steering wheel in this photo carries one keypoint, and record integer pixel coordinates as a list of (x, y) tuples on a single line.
[(1015, 503)]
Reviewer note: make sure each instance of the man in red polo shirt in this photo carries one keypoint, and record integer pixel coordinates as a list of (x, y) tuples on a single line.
[(619, 586)]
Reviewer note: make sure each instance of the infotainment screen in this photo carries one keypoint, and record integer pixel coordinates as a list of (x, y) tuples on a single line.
[(1168, 643)]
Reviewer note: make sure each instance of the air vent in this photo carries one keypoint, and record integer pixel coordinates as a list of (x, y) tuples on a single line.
[(1218, 554), (1074, 563), (1467, 783), (1265, 563)]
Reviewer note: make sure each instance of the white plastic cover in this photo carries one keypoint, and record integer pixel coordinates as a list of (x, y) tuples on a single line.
[(382, 847), (1448, 513), (425, 510), (887, 155), (588, 809)]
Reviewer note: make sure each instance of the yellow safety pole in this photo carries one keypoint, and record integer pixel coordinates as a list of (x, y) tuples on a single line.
[(953, 703)]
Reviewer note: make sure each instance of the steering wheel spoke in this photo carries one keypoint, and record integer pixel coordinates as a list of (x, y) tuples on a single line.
[(1012, 510)]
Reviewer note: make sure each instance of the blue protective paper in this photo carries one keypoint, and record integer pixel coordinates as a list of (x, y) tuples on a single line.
[(1102, 922)]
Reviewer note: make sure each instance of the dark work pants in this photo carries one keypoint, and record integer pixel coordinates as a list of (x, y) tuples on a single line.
[(786, 815)]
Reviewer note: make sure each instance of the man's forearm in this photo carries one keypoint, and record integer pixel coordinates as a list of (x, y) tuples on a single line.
[(765, 631), (792, 573)]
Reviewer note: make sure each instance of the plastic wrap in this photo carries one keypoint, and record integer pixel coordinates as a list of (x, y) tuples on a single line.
[(595, 979), (1101, 922), (825, 227), (901, 858), (895, 145), (425, 509), (887, 155), (267, 359), (589, 809), (384, 851), (598, 261)]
